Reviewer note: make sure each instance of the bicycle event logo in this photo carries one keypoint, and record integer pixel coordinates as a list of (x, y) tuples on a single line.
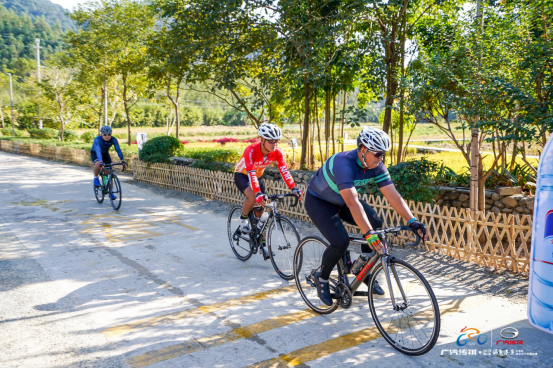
[(471, 335)]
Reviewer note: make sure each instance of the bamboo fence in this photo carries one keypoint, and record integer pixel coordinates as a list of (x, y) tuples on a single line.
[(76, 156), (499, 241)]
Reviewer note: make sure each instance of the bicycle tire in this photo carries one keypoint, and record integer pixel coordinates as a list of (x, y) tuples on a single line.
[(115, 190), (99, 193), (282, 254), (413, 285), (307, 261), (242, 252)]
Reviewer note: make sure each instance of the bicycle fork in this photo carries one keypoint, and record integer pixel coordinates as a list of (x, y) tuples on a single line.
[(385, 261)]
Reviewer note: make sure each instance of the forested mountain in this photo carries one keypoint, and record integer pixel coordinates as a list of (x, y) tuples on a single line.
[(52, 13), (20, 25)]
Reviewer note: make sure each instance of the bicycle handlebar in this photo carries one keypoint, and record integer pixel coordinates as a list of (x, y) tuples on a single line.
[(282, 196), (396, 230), (113, 164)]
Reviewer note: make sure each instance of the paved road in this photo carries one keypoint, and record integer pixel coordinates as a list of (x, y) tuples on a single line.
[(156, 284)]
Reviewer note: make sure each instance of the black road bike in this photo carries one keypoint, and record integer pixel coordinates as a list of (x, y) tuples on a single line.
[(282, 237), (407, 315), (109, 185)]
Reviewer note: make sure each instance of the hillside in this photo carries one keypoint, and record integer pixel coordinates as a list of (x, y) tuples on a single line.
[(51, 12), (18, 31)]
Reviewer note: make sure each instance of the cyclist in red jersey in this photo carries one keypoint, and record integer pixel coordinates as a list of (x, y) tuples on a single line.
[(250, 168)]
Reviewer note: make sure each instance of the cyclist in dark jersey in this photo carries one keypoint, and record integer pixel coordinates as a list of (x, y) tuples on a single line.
[(332, 198), (99, 152)]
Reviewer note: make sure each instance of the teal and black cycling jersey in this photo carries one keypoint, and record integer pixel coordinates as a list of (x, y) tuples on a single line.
[(342, 171)]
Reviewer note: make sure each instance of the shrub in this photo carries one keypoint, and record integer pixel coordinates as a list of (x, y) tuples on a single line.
[(252, 140), (70, 135), (160, 149), (230, 155), (414, 179), (89, 136), (7, 131), (45, 133)]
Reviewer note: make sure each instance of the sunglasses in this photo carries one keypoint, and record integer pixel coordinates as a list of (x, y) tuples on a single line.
[(108, 134), (273, 142), (379, 154)]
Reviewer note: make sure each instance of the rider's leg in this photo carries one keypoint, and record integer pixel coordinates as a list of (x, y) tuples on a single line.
[(97, 168), (372, 215), (376, 223), (327, 219)]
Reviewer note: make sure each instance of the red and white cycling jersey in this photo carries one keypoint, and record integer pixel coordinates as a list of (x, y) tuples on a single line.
[(253, 164)]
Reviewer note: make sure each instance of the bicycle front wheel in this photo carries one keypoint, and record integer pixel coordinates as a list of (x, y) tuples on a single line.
[(412, 326), (115, 192), (240, 242), (283, 239), (307, 262), (99, 193)]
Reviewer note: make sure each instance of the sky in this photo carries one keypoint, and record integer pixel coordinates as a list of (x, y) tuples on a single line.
[(68, 4)]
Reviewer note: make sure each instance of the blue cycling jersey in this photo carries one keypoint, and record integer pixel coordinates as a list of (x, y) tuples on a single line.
[(342, 171), (100, 146)]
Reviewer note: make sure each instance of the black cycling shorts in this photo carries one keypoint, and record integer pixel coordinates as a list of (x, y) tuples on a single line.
[(106, 158), (242, 181)]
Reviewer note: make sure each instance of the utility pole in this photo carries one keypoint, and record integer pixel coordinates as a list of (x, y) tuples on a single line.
[(11, 103), (37, 40)]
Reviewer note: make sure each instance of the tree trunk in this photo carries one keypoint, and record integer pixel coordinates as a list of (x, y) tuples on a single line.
[(126, 106), (175, 103), (304, 139), (2, 118), (312, 161), (402, 94), (391, 89), (319, 130), (327, 124), (344, 119), (481, 186), (333, 124)]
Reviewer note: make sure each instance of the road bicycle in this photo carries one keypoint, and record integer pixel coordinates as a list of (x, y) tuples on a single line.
[(109, 184), (407, 315), (282, 237)]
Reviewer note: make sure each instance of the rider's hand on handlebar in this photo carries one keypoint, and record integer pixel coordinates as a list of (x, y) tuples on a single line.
[(373, 240), (124, 164), (299, 193), (260, 199), (420, 228)]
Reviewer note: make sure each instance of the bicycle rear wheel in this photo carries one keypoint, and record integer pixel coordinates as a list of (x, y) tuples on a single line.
[(307, 262), (283, 239), (115, 191), (240, 242), (99, 193), (412, 327)]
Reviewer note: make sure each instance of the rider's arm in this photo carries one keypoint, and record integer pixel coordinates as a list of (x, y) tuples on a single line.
[(96, 147), (252, 174), (117, 148), (396, 201), (283, 168), (352, 201)]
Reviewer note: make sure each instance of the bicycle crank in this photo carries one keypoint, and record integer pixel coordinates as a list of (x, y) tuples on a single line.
[(344, 294)]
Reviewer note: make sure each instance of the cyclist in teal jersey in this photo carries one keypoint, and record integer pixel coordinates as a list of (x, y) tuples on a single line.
[(331, 198)]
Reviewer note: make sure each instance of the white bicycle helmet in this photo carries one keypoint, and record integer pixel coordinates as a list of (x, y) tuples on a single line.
[(375, 140), (269, 131), (105, 130)]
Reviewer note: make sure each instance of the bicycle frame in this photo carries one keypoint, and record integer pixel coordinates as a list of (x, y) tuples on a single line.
[(384, 259)]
